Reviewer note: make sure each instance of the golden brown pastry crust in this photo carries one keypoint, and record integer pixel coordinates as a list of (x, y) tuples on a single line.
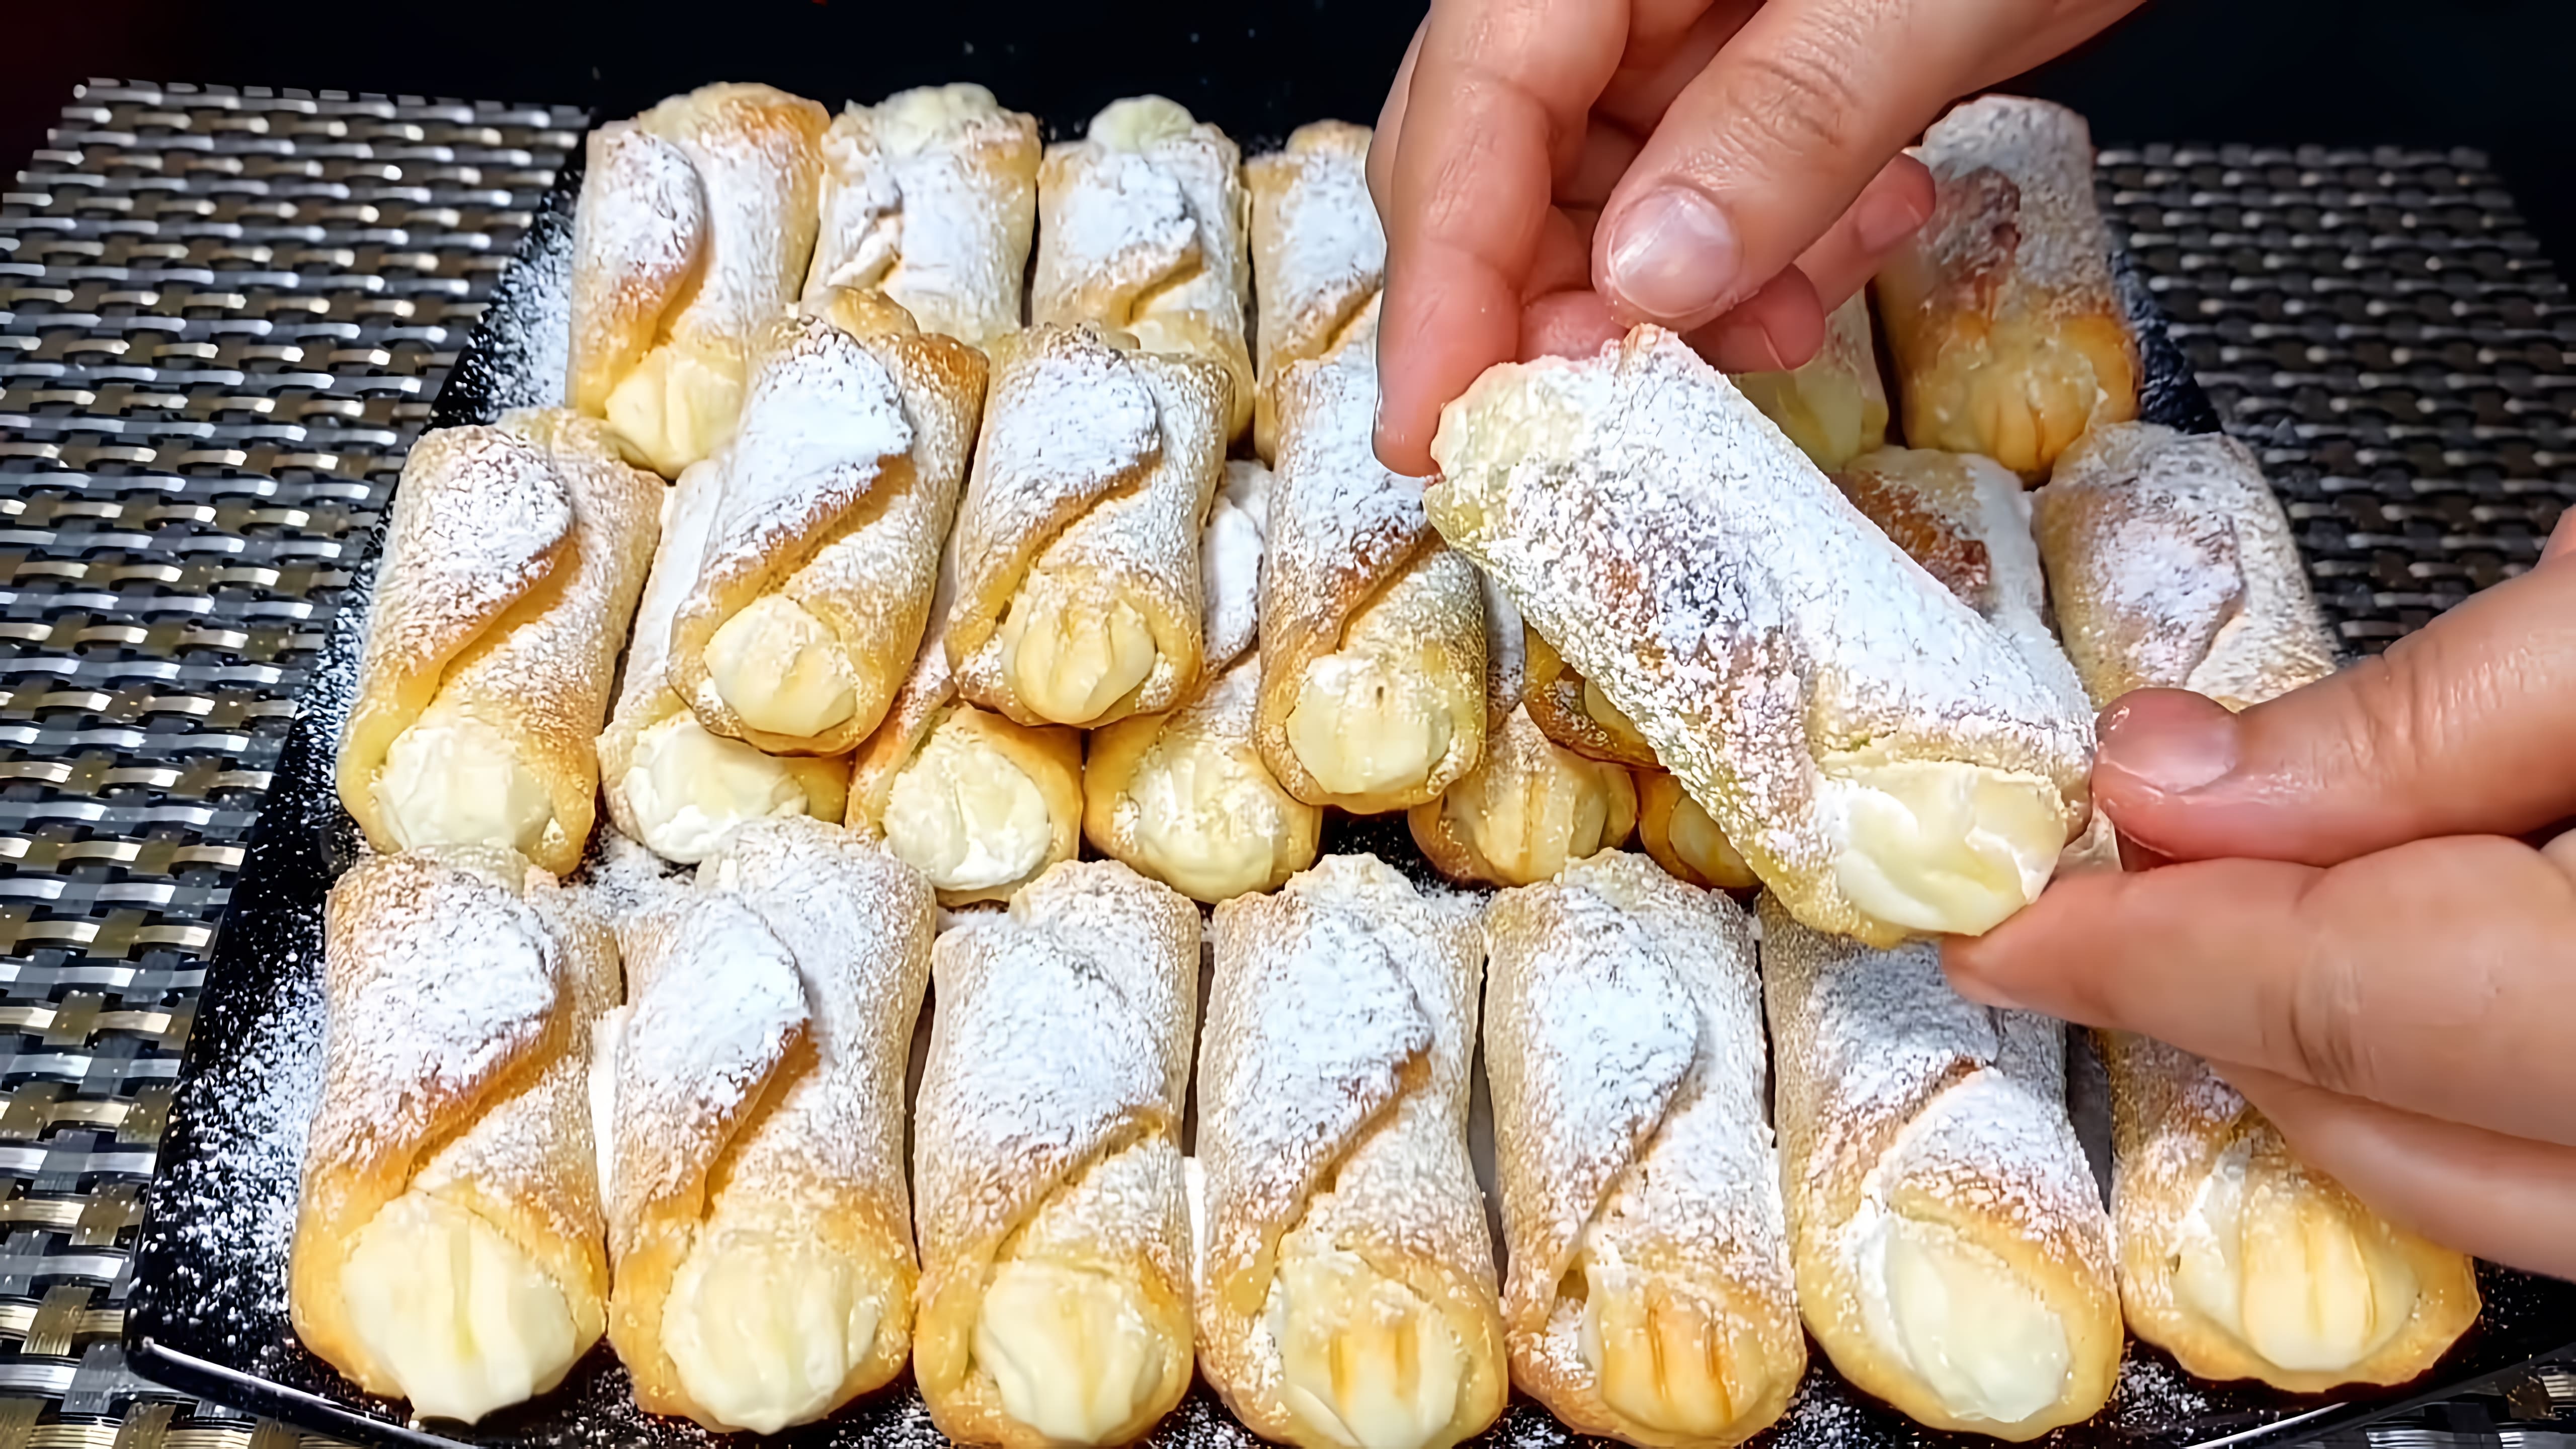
[(1834, 407), (1318, 254), (1569, 711), (1528, 808), (1683, 840)]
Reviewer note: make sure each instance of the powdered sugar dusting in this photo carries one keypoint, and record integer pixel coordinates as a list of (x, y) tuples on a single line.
[(2046, 152), (820, 420), (1230, 564), (1318, 252), (477, 521)]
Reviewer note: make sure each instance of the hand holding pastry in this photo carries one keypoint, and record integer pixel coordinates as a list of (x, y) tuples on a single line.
[(1729, 171)]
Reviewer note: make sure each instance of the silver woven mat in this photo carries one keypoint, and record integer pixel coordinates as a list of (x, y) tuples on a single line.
[(223, 314)]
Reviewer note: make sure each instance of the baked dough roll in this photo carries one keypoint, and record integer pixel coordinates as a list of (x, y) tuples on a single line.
[(671, 785), (1055, 1236), (696, 223), (1183, 797), (447, 1244), (2243, 1262), (1077, 550), (511, 565), (1952, 1253), (2007, 335), (1649, 1297), (1573, 711), (930, 196), (816, 580), (2173, 567), (1318, 253), (1528, 807), (1683, 840), (2224, 606), (1346, 1289), (757, 1211), (1835, 406), (1884, 758), (1374, 688), (1142, 232)]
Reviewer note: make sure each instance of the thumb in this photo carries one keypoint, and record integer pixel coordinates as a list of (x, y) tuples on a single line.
[(2459, 729)]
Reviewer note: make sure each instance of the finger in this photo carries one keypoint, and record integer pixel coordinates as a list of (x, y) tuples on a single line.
[(2460, 728), (2428, 977), (1390, 123), (1778, 329), (1568, 324), (1498, 101), (1895, 204), (2562, 538), (1564, 247), (1607, 151), (2498, 1197), (1664, 57)]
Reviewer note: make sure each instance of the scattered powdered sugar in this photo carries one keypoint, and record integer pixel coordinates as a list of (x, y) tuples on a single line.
[(932, 196), (638, 240), (1068, 420), (1318, 249), (476, 522), (2046, 152), (758, 154), (818, 422), (1230, 566)]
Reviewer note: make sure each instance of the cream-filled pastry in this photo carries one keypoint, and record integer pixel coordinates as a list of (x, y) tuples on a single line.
[(1077, 549), (447, 1242), (1650, 1294), (1055, 1240), (1683, 840), (1528, 807), (930, 196), (1347, 1293), (758, 1217), (671, 785), (1834, 407), (696, 224), (2008, 337), (511, 565), (1573, 711), (814, 585), (1951, 1249), (1141, 232), (1883, 757), (1318, 253)]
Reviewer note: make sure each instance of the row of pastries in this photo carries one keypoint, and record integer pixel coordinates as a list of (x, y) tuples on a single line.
[(946, 581)]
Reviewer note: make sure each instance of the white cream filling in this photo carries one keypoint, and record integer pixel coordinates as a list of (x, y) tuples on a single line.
[(1068, 1348), (1939, 845), (1664, 1359), (1362, 725), (1696, 840), (2287, 1270), (1138, 122), (675, 408), (1210, 824), (1975, 1332), (911, 122), (782, 669), (1363, 1360), (451, 779), (1526, 830), (965, 816), (1071, 657), (764, 1325), (688, 789), (464, 1321)]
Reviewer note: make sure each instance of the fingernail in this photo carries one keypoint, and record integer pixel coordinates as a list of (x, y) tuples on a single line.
[(1672, 255), (2170, 750)]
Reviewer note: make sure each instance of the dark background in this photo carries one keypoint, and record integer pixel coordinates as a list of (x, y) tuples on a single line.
[(2485, 73)]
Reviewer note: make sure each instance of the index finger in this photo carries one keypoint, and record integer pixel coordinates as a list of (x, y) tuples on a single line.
[(1498, 96)]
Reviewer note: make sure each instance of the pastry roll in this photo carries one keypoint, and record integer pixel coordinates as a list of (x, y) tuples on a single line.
[(1078, 598), (1683, 840), (1884, 758), (2007, 336), (2243, 1262), (816, 579), (1318, 253), (2224, 609), (1374, 689), (1952, 1254), (1834, 407), (697, 219), (672, 786), (1184, 797), (1649, 1297), (2173, 567), (1346, 1291), (930, 196), (511, 564), (1573, 711), (1055, 1237), (447, 1244), (1528, 807), (754, 1087), (1142, 232)]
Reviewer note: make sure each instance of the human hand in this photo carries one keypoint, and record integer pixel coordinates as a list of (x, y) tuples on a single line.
[(1739, 157), (2356, 931)]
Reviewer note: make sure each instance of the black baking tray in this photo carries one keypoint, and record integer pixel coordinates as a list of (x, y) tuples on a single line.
[(207, 1313)]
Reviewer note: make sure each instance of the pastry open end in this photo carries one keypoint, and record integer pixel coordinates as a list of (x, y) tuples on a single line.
[(451, 779), (1835, 406), (1364, 1360), (1683, 839), (1186, 799), (462, 1319), (1680, 1366), (1075, 649), (685, 790), (1398, 712), (1528, 808), (984, 805), (766, 1321)]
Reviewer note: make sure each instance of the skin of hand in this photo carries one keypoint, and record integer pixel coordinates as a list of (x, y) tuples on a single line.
[(2361, 907), (1551, 171)]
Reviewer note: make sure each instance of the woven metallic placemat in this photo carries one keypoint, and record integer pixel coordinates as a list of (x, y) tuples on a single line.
[(222, 317)]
